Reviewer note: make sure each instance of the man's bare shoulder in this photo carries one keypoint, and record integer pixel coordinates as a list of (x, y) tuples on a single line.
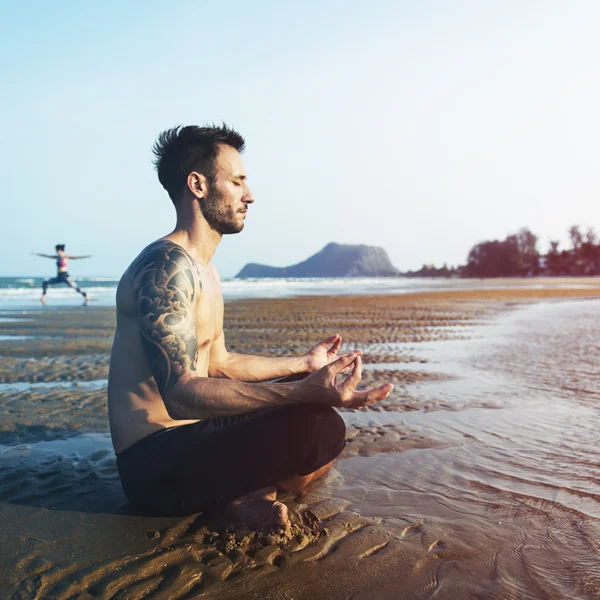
[(160, 255), (160, 266)]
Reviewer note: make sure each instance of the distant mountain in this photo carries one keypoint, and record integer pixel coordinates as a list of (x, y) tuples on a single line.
[(335, 260)]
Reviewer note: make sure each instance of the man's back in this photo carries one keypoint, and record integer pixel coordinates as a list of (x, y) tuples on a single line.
[(135, 405)]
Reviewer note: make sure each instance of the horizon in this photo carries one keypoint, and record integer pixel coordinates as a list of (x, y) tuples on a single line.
[(541, 252)]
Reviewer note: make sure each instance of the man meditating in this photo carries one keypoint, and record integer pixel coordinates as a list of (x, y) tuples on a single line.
[(196, 427)]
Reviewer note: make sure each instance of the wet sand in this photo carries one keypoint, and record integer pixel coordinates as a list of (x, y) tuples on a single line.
[(477, 478)]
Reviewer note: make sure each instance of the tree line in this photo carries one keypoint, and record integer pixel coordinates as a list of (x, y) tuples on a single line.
[(518, 255)]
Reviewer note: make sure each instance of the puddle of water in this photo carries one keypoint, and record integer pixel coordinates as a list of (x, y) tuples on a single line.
[(73, 446), (13, 320), (23, 386)]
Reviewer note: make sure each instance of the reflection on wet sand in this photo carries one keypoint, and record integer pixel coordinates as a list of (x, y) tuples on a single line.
[(518, 487), (479, 479)]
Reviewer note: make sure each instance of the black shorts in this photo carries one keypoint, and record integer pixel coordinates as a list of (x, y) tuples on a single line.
[(193, 468)]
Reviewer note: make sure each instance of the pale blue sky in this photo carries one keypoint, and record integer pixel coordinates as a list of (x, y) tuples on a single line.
[(421, 126)]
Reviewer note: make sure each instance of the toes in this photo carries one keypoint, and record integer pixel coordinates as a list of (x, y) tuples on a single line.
[(281, 515)]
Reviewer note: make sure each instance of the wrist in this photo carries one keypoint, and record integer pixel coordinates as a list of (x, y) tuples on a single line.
[(299, 391), (301, 365), (290, 392)]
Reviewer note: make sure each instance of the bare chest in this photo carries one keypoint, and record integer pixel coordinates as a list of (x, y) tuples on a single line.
[(209, 313)]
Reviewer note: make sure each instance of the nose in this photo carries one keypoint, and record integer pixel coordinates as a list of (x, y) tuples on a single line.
[(248, 197)]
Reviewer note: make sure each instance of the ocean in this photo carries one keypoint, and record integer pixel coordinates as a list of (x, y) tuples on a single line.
[(24, 292)]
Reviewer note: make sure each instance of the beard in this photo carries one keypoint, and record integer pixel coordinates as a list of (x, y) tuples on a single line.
[(218, 214)]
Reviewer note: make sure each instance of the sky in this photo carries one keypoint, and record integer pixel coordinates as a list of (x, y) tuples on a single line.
[(422, 127)]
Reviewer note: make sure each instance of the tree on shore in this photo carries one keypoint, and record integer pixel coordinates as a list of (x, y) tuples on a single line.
[(432, 271), (529, 257), (517, 255), (584, 256), (556, 262)]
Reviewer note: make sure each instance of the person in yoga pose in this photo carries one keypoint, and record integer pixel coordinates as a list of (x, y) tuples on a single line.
[(62, 275)]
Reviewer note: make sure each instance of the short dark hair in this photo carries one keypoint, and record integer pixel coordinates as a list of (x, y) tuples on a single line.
[(59, 247), (181, 150)]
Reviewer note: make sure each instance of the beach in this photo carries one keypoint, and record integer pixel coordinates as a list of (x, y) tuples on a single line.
[(476, 478)]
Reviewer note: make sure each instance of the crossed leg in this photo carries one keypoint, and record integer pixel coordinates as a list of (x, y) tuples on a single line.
[(233, 465), (260, 509)]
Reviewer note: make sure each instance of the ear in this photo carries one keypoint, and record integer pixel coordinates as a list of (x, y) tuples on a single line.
[(197, 184)]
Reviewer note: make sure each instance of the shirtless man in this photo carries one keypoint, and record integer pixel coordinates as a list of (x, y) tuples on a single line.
[(194, 426)]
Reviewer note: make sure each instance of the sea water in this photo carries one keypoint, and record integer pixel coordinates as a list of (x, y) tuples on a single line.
[(25, 292)]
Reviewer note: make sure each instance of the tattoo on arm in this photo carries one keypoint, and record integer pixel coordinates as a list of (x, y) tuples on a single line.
[(166, 281)]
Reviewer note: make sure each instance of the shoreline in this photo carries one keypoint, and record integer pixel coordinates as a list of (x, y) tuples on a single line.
[(16, 299)]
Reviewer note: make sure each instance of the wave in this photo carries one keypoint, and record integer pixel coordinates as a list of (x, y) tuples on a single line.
[(53, 291), (36, 282), (106, 279), (103, 288)]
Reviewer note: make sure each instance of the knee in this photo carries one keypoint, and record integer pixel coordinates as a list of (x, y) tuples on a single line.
[(325, 426), (332, 423)]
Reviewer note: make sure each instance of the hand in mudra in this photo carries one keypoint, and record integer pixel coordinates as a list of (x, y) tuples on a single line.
[(324, 353), (325, 386)]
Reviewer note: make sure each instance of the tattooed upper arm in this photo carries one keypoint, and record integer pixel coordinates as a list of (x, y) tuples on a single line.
[(165, 282)]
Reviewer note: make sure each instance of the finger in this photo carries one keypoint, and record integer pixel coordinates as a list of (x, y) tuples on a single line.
[(354, 378), (336, 345), (330, 340), (358, 353), (368, 397), (337, 366), (379, 393)]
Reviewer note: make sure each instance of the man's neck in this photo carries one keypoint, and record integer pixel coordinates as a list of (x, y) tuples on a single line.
[(197, 237)]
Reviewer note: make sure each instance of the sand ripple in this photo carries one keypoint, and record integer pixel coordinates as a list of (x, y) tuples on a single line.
[(435, 495)]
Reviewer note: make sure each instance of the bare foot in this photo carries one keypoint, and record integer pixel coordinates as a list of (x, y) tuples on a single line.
[(86, 299), (260, 510), (43, 300)]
